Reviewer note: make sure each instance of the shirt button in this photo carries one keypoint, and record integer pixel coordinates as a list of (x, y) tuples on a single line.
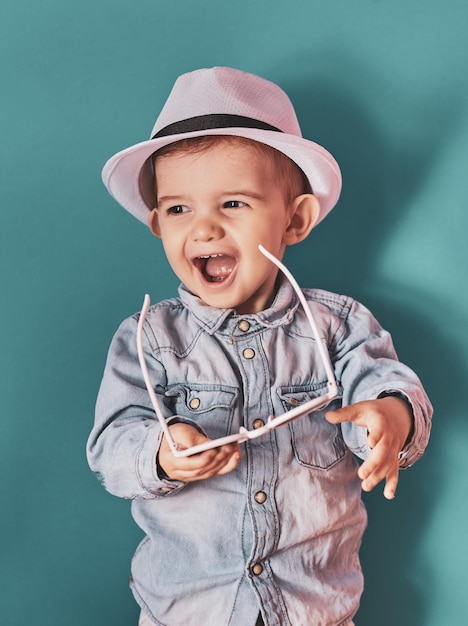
[(257, 569), (260, 497), (194, 403), (249, 353), (244, 325), (258, 423)]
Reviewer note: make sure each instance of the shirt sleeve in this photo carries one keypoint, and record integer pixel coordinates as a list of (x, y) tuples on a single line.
[(123, 445), (367, 367)]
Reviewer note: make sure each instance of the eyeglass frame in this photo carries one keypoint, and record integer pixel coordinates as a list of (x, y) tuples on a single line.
[(272, 422)]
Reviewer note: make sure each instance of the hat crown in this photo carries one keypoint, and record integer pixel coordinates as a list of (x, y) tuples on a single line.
[(223, 90)]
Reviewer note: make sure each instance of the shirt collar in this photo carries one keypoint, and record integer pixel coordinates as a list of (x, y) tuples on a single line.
[(211, 319)]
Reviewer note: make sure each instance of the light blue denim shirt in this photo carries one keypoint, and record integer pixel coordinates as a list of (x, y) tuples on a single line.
[(280, 533)]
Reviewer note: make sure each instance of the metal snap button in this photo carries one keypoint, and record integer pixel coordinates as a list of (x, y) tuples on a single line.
[(244, 325), (257, 569), (194, 403), (260, 497), (249, 353)]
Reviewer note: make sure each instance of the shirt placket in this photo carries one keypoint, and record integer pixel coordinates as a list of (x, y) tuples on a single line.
[(261, 454)]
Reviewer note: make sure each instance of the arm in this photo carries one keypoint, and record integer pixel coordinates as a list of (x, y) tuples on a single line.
[(126, 438), (386, 414), (389, 424)]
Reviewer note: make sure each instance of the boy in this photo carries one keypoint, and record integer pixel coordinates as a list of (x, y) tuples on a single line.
[(268, 531)]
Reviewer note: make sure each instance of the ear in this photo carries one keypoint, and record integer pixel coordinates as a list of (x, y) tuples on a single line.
[(304, 213), (153, 223)]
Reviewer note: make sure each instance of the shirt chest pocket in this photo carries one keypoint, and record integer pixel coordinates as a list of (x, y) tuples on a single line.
[(316, 443), (211, 407)]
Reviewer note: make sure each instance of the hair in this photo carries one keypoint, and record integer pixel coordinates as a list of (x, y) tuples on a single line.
[(289, 174)]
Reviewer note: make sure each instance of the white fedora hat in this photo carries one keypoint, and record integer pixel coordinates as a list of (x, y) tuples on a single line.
[(221, 101)]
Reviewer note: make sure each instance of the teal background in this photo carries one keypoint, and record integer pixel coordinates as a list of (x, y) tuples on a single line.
[(384, 86)]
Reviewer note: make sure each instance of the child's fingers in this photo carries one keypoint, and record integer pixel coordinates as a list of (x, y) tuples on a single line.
[(197, 466), (222, 459), (382, 464), (391, 482), (204, 465), (231, 464), (350, 413), (389, 422)]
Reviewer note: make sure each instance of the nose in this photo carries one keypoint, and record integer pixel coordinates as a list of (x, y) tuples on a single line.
[(207, 228)]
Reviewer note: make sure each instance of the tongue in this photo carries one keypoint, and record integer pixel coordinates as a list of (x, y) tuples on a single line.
[(219, 266)]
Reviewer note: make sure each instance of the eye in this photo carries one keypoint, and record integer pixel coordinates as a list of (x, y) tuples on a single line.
[(234, 204), (177, 210)]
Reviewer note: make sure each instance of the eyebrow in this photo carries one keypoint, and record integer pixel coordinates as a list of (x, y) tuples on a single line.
[(168, 199), (244, 192), (231, 194)]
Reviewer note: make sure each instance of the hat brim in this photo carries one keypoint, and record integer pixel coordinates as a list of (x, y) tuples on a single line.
[(129, 178)]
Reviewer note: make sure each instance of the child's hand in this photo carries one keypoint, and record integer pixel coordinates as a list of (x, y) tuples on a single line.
[(389, 424), (199, 466)]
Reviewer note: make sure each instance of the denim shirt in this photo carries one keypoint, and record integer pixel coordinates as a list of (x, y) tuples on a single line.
[(280, 534)]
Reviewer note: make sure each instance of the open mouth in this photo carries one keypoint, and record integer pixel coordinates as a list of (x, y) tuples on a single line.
[(215, 268)]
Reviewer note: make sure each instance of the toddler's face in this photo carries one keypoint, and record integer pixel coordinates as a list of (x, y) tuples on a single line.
[(213, 209)]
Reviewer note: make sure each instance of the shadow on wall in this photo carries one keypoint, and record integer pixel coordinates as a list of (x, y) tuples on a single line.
[(382, 176)]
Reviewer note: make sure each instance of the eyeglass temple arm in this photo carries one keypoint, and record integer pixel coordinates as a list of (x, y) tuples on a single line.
[(332, 386), (144, 369)]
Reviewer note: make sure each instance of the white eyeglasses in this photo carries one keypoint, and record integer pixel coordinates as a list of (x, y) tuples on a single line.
[(272, 422)]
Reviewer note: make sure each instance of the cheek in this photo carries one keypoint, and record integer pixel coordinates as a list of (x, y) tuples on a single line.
[(171, 249), (177, 259)]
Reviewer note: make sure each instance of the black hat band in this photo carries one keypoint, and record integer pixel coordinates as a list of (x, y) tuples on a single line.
[(213, 120)]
